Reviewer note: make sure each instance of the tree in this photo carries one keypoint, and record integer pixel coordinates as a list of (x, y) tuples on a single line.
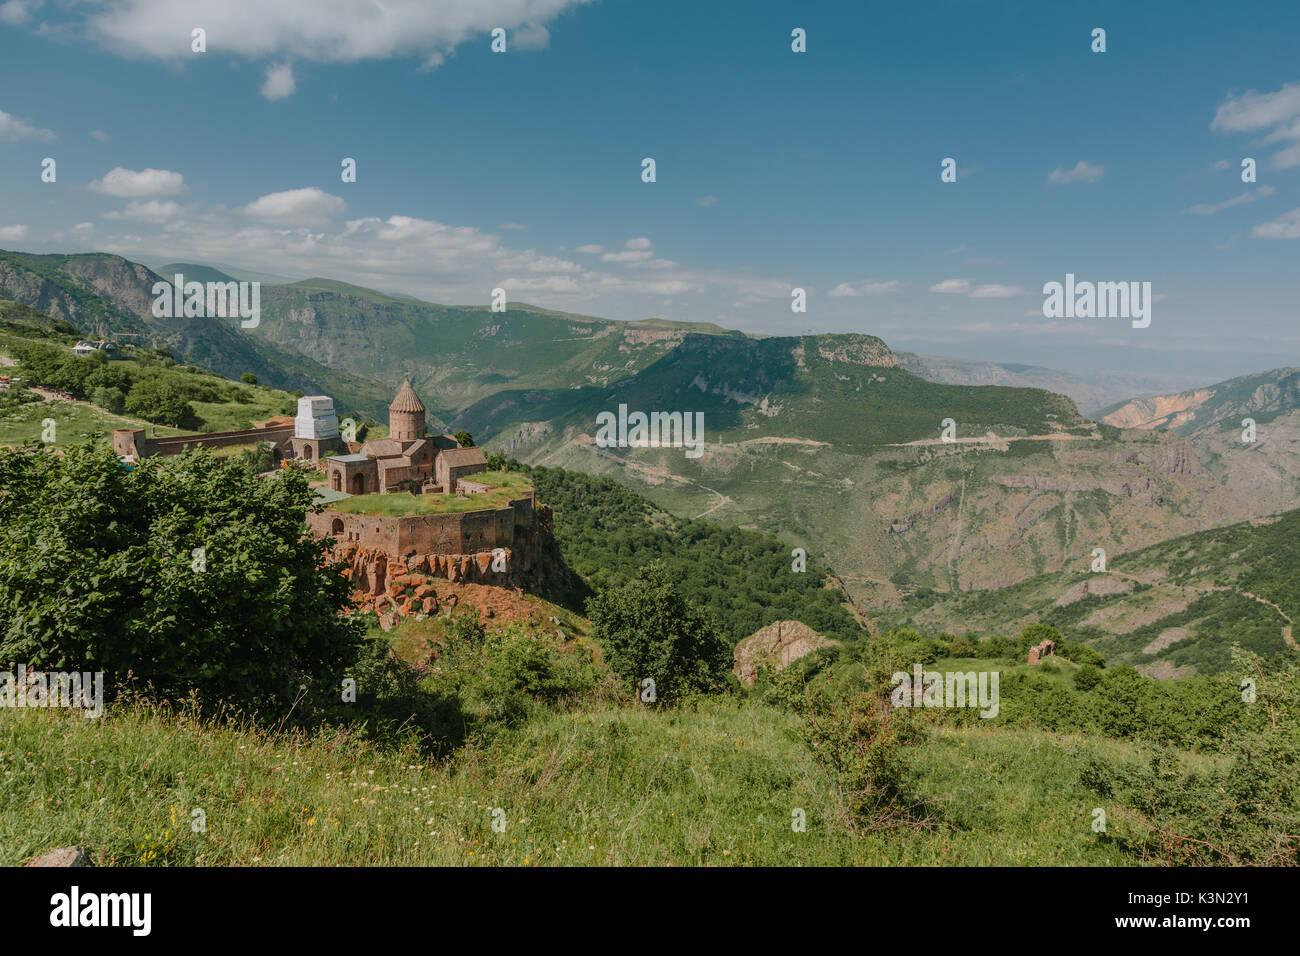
[(248, 378), (184, 572), (160, 401), (464, 438), (651, 632), (109, 399)]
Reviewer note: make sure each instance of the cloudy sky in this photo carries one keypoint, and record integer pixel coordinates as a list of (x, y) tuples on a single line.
[(774, 169)]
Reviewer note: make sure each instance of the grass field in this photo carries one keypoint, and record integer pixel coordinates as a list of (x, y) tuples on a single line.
[(72, 424), (714, 784), (508, 486)]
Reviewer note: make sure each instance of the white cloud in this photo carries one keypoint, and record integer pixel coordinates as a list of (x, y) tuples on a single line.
[(532, 36), (139, 184), (994, 291), (707, 201), (99, 135), (1083, 172), (296, 206), (1253, 111), (17, 12), (591, 249), (12, 233), (14, 129), (336, 31), (279, 82), (987, 291), (865, 287), (637, 244), (951, 286), (630, 255), (1285, 226), (512, 225), (1207, 209), (151, 210)]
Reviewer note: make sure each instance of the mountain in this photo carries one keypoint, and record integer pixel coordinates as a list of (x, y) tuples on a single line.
[(1091, 391), (456, 355), (1264, 396), (827, 442), (194, 272), (1171, 610), (1265, 471), (106, 295)]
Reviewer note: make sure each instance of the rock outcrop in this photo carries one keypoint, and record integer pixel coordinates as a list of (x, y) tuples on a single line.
[(63, 856), (776, 646)]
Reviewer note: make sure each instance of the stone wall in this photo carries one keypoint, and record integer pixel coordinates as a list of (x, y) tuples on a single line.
[(392, 562), (133, 441), (468, 532)]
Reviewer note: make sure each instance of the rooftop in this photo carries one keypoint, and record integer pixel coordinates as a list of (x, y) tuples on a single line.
[(506, 486)]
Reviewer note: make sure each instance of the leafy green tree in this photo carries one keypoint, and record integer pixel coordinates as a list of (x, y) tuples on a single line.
[(1087, 677), (248, 378), (109, 399), (182, 572), (160, 401), (464, 438), (651, 631)]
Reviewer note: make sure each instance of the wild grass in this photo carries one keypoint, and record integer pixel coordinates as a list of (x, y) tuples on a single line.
[(717, 782)]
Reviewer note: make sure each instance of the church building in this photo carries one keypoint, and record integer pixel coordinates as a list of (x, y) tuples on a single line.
[(409, 459)]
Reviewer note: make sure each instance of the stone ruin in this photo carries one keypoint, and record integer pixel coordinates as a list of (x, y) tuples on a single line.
[(1046, 649)]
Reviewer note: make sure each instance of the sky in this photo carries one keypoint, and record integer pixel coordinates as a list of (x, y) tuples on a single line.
[(774, 169)]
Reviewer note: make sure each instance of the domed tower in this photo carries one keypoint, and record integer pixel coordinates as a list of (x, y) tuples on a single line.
[(406, 415)]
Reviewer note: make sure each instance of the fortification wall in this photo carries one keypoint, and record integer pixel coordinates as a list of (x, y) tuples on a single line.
[(467, 532), (135, 442), (392, 561)]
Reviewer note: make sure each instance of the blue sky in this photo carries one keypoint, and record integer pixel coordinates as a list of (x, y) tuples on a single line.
[(774, 169)]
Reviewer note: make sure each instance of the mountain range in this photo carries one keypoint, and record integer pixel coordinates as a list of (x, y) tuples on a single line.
[(912, 476)]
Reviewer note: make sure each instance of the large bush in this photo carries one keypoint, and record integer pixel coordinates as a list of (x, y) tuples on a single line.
[(1245, 809), (651, 632), (181, 573)]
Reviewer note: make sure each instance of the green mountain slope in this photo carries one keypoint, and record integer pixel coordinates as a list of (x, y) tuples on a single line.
[(827, 443), (457, 355), (1171, 609)]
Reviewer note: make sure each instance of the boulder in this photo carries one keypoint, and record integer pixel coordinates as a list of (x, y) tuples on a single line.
[(776, 646), (63, 856)]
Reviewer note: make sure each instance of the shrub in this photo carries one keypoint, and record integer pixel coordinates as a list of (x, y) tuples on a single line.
[(1244, 812), (860, 738), (99, 571), (649, 630), (109, 399)]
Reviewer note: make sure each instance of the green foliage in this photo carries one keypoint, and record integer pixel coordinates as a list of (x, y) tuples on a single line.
[(501, 677), (1087, 677), (859, 736), (248, 378), (650, 630), (463, 438), (162, 402), (1243, 811), (109, 399), (99, 571), (607, 533)]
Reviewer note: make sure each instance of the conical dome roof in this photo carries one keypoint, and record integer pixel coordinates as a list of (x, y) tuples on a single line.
[(406, 400)]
